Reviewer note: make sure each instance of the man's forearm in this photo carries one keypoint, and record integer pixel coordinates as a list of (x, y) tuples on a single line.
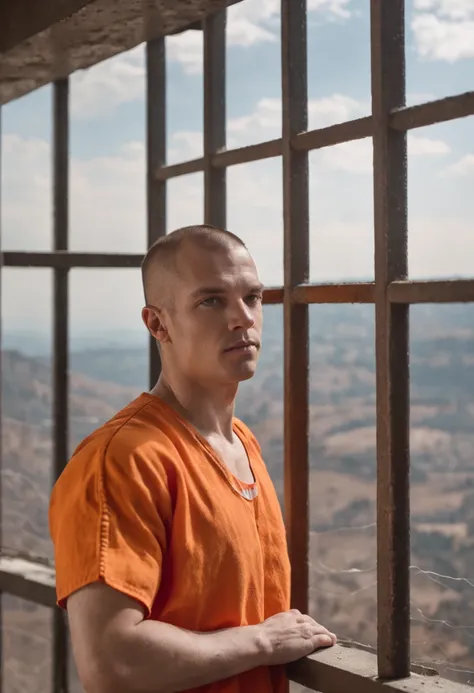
[(159, 658)]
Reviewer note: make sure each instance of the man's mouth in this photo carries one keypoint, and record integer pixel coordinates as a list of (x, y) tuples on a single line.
[(242, 345)]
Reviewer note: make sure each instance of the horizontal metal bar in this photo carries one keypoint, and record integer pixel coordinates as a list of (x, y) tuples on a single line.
[(273, 295), (28, 580), (349, 669), (223, 159), (333, 293), (249, 154), (448, 291), (334, 134), (433, 112), (182, 169), (455, 291), (418, 116), (68, 260)]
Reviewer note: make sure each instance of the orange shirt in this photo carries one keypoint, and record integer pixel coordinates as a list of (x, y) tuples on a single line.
[(146, 505)]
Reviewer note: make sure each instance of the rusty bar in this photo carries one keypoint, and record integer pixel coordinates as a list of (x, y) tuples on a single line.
[(334, 134), (440, 111), (391, 341), (333, 293), (68, 260), (447, 291), (156, 159), (248, 154), (296, 271), (184, 168), (214, 28), (273, 295), (2, 668), (60, 339)]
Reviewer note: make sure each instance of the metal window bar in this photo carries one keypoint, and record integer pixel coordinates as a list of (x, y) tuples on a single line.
[(156, 158), (2, 668), (295, 315), (214, 59), (391, 292), (60, 340), (391, 341)]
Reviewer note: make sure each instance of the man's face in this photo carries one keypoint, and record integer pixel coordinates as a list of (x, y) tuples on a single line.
[(214, 326)]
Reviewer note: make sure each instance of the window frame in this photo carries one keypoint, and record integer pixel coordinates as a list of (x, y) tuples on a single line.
[(391, 293)]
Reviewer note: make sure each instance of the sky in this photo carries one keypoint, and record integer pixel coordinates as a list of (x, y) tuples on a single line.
[(107, 168)]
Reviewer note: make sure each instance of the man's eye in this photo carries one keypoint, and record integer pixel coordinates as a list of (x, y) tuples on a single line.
[(210, 302), (254, 298)]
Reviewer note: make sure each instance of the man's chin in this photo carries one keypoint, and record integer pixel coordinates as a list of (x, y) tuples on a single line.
[(246, 372)]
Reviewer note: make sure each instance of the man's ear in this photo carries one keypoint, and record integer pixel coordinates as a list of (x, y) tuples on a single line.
[(155, 323)]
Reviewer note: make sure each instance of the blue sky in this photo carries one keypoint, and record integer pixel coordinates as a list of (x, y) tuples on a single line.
[(108, 165)]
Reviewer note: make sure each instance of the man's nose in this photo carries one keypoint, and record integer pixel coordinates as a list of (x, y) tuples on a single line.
[(240, 316)]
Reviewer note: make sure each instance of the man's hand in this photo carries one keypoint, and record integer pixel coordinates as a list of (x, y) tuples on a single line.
[(117, 650), (291, 635)]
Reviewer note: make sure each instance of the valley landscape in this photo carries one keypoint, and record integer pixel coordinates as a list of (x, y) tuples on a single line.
[(342, 475)]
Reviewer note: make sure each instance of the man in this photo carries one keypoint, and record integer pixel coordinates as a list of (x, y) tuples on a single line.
[(170, 546)]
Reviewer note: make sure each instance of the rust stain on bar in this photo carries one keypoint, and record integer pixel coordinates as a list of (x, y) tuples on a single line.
[(273, 295), (333, 293), (447, 291), (334, 134), (440, 111), (296, 271), (391, 342), (156, 158), (214, 28), (60, 339)]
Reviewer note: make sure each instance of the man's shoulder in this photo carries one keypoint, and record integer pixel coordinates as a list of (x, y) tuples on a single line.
[(142, 429)]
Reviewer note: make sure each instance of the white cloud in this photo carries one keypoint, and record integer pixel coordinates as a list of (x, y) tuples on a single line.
[(444, 29), (186, 49), (424, 146), (451, 9), (463, 167), (99, 90), (255, 21), (121, 79)]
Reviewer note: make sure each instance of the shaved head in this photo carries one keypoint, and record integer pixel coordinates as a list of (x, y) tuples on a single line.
[(160, 267)]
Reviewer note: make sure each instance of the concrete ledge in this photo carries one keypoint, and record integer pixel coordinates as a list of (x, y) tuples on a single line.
[(28, 580), (343, 669), (62, 36)]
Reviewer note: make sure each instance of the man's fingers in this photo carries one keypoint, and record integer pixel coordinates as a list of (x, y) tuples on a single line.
[(323, 640)]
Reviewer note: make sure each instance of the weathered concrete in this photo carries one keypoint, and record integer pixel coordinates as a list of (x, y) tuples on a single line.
[(96, 30)]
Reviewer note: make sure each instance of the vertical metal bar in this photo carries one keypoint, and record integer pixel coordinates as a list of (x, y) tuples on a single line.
[(2, 668), (156, 158), (214, 28), (60, 338), (392, 362), (296, 270)]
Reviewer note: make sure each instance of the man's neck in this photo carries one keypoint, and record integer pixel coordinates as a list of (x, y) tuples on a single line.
[(211, 411)]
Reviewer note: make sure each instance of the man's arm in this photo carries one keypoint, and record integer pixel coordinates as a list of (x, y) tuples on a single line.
[(117, 651)]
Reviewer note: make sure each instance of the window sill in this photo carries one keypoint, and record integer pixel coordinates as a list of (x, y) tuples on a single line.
[(340, 669)]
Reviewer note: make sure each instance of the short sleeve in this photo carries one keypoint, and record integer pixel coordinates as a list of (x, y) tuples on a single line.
[(108, 516)]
